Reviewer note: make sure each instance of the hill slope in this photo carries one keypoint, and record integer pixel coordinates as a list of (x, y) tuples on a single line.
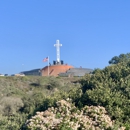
[(23, 99)]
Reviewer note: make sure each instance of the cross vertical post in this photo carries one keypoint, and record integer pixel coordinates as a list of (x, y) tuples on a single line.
[(58, 45)]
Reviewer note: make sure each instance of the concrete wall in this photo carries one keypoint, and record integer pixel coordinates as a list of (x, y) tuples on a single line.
[(54, 70)]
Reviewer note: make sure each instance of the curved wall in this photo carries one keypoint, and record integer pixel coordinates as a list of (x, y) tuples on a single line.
[(54, 70)]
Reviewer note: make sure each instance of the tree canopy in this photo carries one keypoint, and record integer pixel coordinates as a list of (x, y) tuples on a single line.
[(110, 88), (120, 58)]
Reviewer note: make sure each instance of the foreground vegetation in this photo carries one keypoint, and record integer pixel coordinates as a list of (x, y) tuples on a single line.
[(110, 88), (21, 97), (65, 116), (101, 99)]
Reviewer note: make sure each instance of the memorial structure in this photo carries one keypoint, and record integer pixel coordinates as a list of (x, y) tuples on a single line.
[(58, 68), (58, 65)]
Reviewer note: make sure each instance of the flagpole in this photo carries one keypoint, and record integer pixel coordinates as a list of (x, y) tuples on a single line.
[(48, 65)]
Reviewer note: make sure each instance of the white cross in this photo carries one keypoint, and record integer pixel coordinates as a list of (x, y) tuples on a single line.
[(57, 45)]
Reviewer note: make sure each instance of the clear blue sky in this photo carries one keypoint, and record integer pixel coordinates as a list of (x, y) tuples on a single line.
[(91, 32)]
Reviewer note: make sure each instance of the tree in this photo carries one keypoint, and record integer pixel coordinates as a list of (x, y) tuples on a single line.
[(109, 88), (120, 58)]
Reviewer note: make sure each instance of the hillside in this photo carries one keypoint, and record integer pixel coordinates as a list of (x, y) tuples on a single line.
[(20, 97), (100, 100)]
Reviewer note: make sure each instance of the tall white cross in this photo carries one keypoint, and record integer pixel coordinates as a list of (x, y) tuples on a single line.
[(57, 45)]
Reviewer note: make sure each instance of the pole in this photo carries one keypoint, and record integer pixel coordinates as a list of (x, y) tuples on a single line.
[(48, 65)]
